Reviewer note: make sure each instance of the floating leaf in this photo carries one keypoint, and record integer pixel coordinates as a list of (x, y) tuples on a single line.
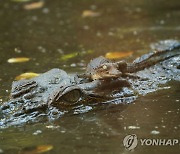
[(21, 0), (69, 56), (18, 60), (36, 149), (75, 54), (35, 5), (27, 75), (89, 13), (44, 148), (117, 55), (90, 51)]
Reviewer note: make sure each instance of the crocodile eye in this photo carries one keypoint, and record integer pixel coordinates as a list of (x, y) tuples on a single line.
[(104, 67), (72, 96)]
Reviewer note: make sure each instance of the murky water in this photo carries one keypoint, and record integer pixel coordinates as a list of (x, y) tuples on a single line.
[(58, 28)]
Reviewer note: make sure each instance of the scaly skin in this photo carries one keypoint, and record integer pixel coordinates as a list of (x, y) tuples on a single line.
[(102, 68), (55, 93)]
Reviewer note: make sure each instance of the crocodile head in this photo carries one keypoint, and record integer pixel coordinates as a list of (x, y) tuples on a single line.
[(49, 95), (102, 68)]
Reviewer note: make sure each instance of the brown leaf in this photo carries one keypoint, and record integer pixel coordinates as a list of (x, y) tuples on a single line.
[(18, 60), (27, 75), (35, 5), (36, 149), (89, 13), (20, 1), (117, 55), (44, 148)]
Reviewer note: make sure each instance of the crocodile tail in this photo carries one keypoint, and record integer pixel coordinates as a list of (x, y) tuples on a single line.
[(161, 51)]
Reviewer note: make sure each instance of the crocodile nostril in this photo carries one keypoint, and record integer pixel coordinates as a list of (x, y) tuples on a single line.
[(5, 107)]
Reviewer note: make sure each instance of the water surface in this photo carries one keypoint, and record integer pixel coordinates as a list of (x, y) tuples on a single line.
[(58, 28)]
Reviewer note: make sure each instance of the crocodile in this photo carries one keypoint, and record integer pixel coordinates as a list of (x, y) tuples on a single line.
[(56, 93), (103, 68)]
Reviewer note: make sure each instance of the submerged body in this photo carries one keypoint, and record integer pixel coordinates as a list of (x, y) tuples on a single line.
[(54, 93)]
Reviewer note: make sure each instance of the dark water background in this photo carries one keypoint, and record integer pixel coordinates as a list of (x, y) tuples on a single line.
[(58, 28)]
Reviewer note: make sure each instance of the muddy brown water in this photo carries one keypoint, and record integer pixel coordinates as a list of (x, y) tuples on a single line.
[(57, 29)]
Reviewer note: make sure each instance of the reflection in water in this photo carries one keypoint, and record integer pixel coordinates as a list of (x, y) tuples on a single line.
[(58, 28)]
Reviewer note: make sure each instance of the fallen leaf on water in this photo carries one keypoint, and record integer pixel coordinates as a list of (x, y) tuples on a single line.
[(89, 51), (27, 75), (35, 5), (21, 0), (117, 55), (89, 13), (75, 54), (36, 149), (44, 148), (69, 56), (18, 60)]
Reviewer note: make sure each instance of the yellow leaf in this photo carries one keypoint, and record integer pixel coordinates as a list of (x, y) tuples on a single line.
[(18, 60), (89, 13), (75, 54), (90, 51), (37, 149), (28, 75), (35, 5), (69, 56), (117, 55), (44, 148)]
